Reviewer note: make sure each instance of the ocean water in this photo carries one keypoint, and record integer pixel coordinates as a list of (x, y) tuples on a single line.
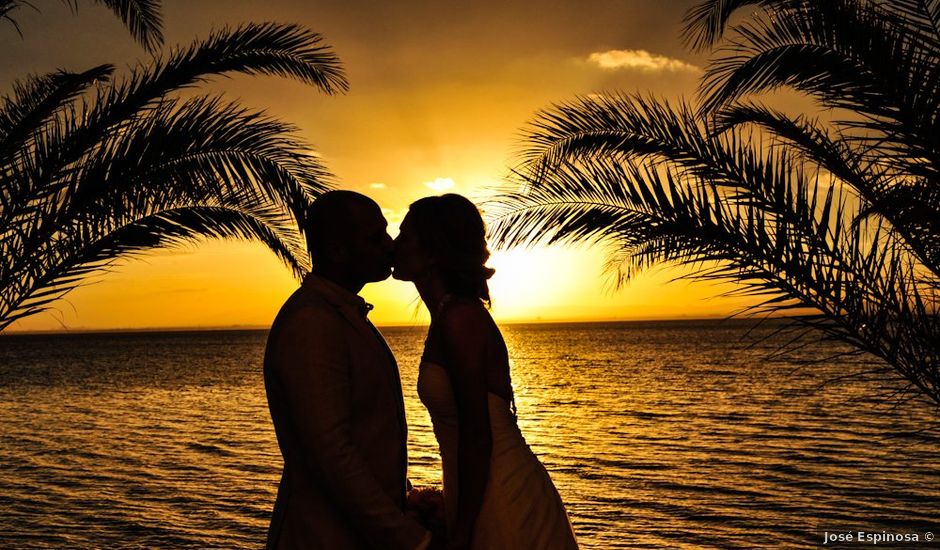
[(656, 434)]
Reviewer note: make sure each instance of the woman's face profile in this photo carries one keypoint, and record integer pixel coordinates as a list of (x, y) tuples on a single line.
[(411, 260)]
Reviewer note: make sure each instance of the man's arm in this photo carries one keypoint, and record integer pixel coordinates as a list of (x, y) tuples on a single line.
[(313, 365)]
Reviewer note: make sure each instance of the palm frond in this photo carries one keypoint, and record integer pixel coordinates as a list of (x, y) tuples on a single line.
[(142, 18), (705, 23), (653, 218), (288, 50), (82, 251), (911, 207), (273, 49), (812, 140), (7, 7), (37, 98), (634, 128), (649, 181), (849, 55), (922, 17), (91, 179), (826, 47), (208, 150)]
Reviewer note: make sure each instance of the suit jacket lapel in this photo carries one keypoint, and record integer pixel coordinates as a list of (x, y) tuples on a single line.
[(363, 325), (371, 334), (400, 399)]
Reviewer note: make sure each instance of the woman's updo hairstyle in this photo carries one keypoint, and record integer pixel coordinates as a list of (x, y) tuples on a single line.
[(450, 229)]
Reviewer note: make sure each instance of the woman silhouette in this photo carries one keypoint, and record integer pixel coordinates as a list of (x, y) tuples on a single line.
[(497, 494)]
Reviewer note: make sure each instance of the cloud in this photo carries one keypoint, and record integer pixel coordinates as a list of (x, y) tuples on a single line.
[(376, 186), (639, 60), (440, 184)]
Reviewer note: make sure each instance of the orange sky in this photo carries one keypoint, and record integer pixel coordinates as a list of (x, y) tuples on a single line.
[(438, 95)]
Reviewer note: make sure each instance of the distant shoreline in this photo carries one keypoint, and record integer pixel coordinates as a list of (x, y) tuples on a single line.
[(736, 321)]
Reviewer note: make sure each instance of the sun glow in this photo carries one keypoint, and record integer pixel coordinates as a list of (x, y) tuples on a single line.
[(421, 119), (525, 281)]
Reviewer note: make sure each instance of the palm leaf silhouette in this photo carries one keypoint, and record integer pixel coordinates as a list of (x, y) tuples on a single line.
[(141, 17), (96, 169), (840, 220)]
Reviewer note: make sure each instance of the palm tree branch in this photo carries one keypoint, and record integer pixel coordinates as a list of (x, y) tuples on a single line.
[(636, 129), (85, 250), (142, 18), (287, 50), (748, 248), (705, 22), (911, 214), (847, 54), (208, 150), (36, 99)]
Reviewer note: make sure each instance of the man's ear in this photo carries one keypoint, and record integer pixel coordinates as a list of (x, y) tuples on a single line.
[(338, 251)]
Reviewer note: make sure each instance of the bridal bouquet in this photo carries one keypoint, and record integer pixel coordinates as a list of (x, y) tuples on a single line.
[(427, 503)]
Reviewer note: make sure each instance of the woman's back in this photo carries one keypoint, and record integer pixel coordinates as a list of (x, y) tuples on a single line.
[(481, 331), (521, 508)]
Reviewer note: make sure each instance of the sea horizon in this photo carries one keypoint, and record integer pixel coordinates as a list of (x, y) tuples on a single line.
[(655, 433), (737, 320)]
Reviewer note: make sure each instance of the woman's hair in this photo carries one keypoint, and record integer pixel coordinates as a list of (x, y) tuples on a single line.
[(451, 230)]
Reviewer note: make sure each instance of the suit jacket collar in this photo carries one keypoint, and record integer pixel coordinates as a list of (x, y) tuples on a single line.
[(355, 309), (351, 306), (335, 294)]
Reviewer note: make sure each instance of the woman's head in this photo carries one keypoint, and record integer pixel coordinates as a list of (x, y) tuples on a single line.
[(444, 235)]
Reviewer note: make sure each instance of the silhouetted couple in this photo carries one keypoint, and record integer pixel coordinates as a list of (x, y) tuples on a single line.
[(335, 394)]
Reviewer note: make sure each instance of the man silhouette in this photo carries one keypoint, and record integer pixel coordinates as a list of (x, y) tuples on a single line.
[(335, 395)]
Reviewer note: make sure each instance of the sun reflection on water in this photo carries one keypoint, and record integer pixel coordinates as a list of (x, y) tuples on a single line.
[(656, 435)]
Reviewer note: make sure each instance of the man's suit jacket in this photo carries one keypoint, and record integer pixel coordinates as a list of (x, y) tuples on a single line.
[(335, 398)]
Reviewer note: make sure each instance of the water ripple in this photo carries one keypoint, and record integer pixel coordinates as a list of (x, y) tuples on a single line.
[(678, 435)]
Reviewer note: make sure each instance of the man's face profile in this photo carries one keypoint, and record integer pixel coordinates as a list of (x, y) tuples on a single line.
[(369, 246)]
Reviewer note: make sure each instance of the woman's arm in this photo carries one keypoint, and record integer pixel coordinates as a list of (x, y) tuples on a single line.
[(463, 332)]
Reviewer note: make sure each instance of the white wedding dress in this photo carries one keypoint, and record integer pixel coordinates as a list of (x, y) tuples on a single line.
[(521, 508)]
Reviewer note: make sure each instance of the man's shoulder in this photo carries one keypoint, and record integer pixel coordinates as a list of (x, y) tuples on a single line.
[(306, 324), (305, 307)]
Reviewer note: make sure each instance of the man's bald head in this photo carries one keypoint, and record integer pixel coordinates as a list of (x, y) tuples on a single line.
[(331, 218), (346, 231)]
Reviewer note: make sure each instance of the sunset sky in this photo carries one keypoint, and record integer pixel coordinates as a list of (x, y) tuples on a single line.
[(439, 92)]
